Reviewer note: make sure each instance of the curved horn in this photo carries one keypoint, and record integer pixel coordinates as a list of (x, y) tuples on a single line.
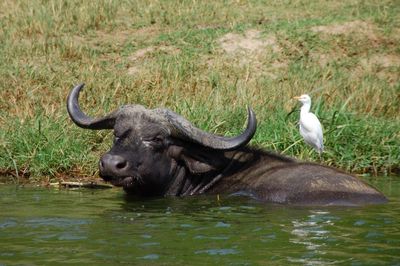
[(82, 120), (186, 130)]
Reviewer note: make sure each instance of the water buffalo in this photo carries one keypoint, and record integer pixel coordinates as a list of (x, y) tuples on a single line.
[(159, 153)]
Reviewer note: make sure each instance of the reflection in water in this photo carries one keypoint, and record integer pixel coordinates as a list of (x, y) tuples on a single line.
[(313, 234), (40, 226)]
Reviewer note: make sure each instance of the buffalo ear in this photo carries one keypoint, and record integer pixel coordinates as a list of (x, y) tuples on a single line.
[(195, 166), (197, 161)]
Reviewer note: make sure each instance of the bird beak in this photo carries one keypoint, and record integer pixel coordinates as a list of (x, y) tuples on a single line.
[(296, 97)]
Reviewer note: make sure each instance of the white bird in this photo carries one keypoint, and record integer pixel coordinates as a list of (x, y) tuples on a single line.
[(310, 127)]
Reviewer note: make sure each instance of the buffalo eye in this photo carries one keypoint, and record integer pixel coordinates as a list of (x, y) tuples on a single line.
[(116, 139), (157, 142), (119, 136), (158, 139)]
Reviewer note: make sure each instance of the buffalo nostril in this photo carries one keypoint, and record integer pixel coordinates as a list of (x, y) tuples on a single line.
[(121, 165)]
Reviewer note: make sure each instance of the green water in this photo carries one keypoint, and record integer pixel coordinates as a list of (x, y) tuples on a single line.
[(41, 226)]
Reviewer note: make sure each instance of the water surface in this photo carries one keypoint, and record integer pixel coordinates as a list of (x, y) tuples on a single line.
[(41, 226)]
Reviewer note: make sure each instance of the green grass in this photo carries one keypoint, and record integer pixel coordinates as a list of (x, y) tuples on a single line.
[(46, 47)]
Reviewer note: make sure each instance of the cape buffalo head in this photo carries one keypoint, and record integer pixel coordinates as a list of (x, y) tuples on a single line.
[(152, 147)]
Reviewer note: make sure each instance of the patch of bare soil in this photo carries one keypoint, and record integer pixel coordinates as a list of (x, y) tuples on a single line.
[(358, 27), (250, 50), (251, 42)]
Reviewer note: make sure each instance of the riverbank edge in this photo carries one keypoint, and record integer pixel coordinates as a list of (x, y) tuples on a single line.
[(10, 177)]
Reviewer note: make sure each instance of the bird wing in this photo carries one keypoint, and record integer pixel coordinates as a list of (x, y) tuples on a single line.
[(310, 123), (311, 130)]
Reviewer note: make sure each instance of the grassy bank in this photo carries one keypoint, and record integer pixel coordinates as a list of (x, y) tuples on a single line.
[(206, 60)]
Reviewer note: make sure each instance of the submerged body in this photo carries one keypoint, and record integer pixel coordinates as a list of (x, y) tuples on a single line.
[(273, 178), (158, 153), (309, 125)]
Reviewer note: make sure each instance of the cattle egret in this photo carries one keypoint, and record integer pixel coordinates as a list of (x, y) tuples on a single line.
[(310, 127)]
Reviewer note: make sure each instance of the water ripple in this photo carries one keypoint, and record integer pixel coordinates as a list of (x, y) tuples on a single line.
[(222, 251)]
